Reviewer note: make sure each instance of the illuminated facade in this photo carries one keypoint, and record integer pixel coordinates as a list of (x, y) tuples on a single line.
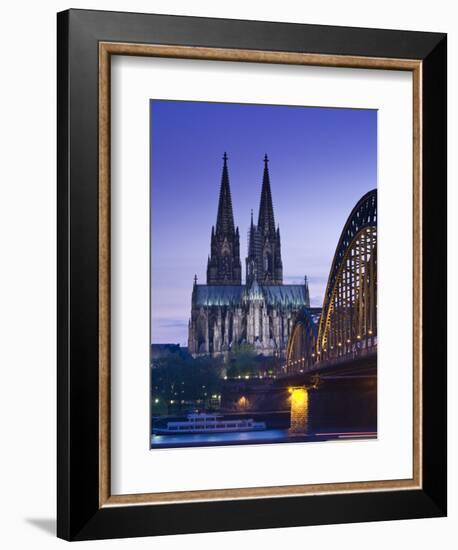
[(226, 313)]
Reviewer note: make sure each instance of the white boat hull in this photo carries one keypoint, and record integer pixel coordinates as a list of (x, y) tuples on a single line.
[(187, 430)]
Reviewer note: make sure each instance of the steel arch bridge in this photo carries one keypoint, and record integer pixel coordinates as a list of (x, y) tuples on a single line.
[(348, 323), (300, 352)]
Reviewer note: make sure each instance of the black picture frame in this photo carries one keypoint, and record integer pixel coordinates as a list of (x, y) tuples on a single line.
[(79, 515)]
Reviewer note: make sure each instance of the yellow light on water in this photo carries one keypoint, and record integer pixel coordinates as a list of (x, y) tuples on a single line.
[(242, 402), (299, 411)]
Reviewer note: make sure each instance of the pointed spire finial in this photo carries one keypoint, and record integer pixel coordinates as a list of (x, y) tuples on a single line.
[(266, 220), (225, 217), (195, 279), (251, 216)]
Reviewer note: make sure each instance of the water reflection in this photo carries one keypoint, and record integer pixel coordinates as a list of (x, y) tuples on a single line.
[(235, 437), (299, 411), (339, 411), (240, 438)]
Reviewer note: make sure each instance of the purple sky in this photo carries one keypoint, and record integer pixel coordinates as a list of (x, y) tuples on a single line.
[(322, 161)]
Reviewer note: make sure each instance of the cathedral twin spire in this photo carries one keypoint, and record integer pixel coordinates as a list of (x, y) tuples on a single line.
[(264, 262), (225, 217), (264, 251), (224, 266), (266, 219)]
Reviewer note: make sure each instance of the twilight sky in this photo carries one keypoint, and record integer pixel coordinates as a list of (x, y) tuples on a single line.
[(321, 161)]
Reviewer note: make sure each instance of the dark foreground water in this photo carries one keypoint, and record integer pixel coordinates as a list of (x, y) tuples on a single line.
[(339, 411), (240, 438), (278, 431)]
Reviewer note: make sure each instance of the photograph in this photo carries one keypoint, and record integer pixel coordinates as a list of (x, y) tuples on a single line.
[(263, 274)]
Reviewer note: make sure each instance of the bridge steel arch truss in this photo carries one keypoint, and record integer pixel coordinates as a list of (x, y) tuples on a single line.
[(348, 323), (300, 353)]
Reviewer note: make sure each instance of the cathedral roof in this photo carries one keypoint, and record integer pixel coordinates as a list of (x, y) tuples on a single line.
[(285, 295), (254, 292), (232, 295), (218, 295)]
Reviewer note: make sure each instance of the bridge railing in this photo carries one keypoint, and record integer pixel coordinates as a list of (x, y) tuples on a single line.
[(365, 349), (353, 355)]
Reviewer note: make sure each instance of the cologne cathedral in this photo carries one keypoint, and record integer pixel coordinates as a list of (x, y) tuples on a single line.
[(226, 313)]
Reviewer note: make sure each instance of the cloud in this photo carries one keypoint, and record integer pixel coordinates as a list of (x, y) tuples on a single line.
[(313, 280), (170, 323)]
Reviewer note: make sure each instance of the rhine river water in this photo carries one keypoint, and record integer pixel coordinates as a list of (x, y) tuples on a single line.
[(266, 436), (333, 414)]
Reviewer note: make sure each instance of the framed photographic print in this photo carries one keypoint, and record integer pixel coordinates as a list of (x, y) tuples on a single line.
[(252, 274)]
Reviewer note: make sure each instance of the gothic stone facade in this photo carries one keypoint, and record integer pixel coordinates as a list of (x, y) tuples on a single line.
[(226, 313)]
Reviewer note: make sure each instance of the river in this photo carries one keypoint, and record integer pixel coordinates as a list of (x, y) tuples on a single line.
[(278, 431)]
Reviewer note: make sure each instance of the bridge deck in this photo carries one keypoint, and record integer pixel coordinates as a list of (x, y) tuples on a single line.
[(344, 367)]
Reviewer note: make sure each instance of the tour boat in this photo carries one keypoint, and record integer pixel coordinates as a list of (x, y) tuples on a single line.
[(209, 423)]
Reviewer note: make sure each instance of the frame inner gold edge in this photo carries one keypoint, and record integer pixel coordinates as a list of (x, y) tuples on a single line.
[(106, 49)]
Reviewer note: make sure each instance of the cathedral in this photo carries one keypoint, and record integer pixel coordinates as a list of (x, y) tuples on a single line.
[(226, 313)]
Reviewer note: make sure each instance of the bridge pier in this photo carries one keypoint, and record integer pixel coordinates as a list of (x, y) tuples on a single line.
[(337, 398)]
